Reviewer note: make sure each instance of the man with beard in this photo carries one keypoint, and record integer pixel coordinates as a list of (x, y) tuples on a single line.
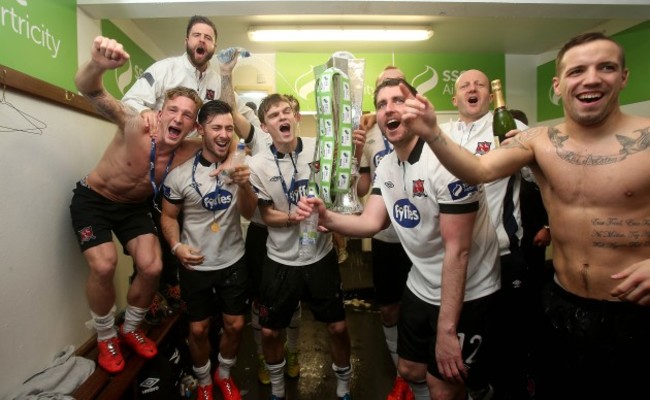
[(112, 198), (591, 170), (210, 246), (193, 70), (390, 263), (444, 227)]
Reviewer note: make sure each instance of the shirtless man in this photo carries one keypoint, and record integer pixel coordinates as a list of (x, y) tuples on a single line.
[(112, 197), (593, 176)]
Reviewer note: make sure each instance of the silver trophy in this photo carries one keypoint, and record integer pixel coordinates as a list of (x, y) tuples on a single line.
[(348, 202)]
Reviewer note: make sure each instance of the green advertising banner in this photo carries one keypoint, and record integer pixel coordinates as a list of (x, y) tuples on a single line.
[(549, 106), (636, 42), (39, 38), (431, 74), (118, 81)]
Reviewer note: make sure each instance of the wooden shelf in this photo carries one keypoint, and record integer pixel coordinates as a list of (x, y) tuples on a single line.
[(20, 82)]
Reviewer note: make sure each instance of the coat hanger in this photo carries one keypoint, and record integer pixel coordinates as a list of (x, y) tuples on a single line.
[(34, 125)]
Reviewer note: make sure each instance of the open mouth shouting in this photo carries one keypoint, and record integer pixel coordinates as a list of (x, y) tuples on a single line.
[(200, 55), (393, 123), (285, 129), (174, 132), (472, 99)]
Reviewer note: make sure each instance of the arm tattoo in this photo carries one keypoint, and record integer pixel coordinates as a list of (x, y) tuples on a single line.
[(629, 145), (439, 138), (514, 143), (227, 92), (132, 118), (107, 106)]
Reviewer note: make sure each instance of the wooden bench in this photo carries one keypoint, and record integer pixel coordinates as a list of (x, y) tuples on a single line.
[(103, 386)]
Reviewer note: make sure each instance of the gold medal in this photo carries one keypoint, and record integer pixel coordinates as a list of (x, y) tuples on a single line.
[(214, 227)]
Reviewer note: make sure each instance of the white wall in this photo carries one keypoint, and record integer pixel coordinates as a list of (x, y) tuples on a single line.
[(521, 85), (42, 297), (43, 304)]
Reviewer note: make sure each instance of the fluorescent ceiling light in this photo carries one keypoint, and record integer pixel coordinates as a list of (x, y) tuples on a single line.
[(338, 34)]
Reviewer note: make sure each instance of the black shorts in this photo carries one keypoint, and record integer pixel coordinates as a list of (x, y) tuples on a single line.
[(255, 254), (207, 292), (94, 217), (283, 286), (600, 349), (390, 269), (417, 334)]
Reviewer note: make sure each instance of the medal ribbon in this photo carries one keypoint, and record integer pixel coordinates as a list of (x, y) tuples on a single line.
[(210, 195), (152, 172), (287, 190)]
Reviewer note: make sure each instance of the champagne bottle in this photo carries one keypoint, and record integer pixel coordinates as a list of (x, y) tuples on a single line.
[(502, 121)]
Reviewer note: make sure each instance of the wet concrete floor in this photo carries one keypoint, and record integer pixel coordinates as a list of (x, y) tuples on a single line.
[(373, 371)]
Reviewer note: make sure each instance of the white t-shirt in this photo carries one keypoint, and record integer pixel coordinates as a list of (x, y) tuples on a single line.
[(258, 141), (148, 92), (223, 248), (503, 194), (268, 171), (416, 193)]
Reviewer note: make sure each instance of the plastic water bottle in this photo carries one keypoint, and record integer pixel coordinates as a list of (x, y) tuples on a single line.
[(240, 154), (226, 55), (308, 234), (238, 158)]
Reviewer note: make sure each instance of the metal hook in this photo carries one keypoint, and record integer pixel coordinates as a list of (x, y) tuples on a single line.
[(69, 95)]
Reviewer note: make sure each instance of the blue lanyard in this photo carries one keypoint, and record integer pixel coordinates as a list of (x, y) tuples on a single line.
[(152, 172), (287, 191), (208, 201), (387, 145)]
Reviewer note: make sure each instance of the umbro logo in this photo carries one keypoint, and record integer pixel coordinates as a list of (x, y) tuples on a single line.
[(149, 382)]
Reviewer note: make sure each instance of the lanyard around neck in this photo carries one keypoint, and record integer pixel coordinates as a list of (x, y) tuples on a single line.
[(287, 190), (152, 171), (209, 200), (387, 144)]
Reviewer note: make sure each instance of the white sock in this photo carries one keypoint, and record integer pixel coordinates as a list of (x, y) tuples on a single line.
[(276, 372), (203, 374), (293, 331), (225, 365), (133, 317), (257, 328), (343, 375), (104, 325), (420, 390), (390, 332)]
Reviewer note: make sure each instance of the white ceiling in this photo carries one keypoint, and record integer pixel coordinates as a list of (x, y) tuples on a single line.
[(528, 27)]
